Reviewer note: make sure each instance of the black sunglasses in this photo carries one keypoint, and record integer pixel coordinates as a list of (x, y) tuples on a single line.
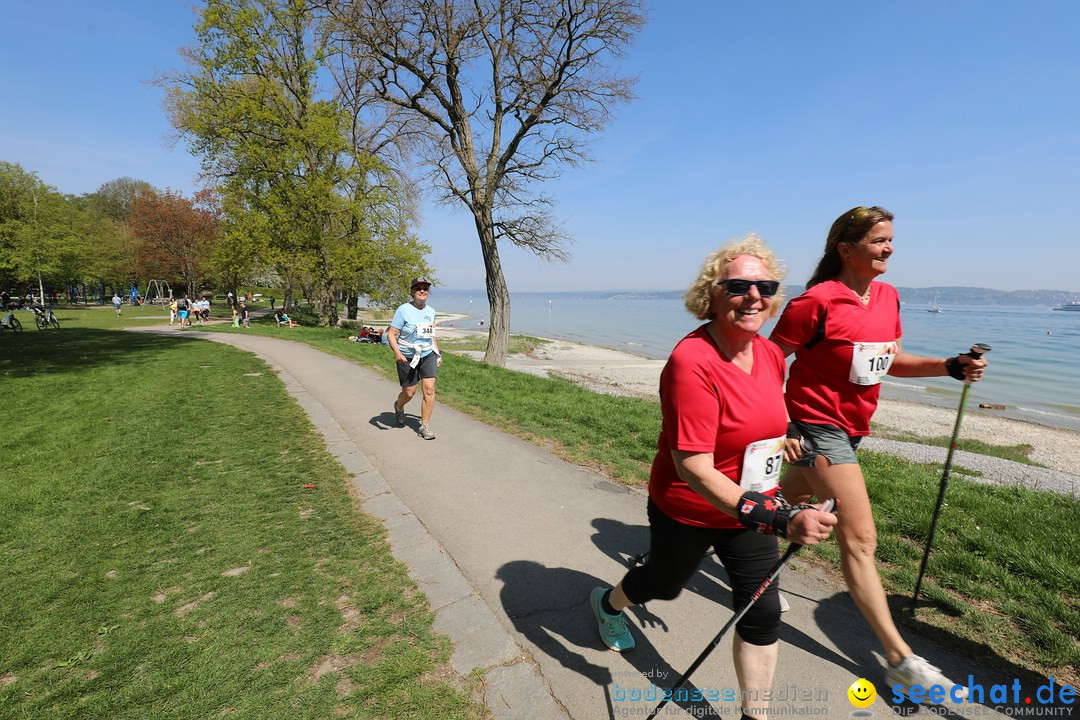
[(739, 286)]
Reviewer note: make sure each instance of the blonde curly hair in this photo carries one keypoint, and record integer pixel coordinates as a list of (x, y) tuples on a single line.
[(699, 297)]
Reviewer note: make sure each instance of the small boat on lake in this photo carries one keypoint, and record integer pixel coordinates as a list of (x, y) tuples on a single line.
[(1073, 306)]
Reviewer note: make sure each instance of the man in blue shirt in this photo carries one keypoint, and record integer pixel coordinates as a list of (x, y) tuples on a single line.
[(411, 336)]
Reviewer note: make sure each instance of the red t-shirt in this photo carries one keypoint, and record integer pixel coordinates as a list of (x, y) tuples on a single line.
[(819, 389), (710, 405)]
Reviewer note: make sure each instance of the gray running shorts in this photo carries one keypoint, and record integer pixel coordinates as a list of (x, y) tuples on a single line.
[(836, 445), (428, 367)]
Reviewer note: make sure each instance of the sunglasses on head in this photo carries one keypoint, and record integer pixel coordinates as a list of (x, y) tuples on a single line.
[(739, 286), (858, 213)]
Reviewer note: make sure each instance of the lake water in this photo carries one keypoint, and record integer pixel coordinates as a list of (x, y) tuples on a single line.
[(1035, 362)]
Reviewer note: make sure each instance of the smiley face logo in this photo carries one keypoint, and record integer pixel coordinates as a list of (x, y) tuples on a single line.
[(862, 693)]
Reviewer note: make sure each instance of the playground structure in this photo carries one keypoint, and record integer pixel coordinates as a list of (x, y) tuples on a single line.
[(158, 292)]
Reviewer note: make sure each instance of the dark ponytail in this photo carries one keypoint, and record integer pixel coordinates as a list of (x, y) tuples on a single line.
[(851, 227)]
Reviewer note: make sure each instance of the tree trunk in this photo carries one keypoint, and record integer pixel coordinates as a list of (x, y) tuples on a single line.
[(352, 301), (498, 295), (326, 300), (307, 294)]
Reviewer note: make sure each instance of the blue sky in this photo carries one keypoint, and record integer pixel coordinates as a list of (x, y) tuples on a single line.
[(961, 117)]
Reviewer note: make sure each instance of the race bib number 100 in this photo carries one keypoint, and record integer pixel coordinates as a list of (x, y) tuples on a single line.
[(761, 465), (870, 362)]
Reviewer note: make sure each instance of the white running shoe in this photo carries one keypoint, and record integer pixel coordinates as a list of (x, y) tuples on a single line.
[(915, 670)]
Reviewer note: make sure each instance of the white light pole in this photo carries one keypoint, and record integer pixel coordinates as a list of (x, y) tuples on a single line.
[(37, 235)]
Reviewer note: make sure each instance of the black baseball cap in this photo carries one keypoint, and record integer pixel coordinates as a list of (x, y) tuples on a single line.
[(419, 281)]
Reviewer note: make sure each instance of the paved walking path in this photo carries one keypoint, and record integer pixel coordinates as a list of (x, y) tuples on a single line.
[(507, 540)]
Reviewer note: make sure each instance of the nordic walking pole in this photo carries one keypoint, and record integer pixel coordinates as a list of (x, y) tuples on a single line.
[(827, 506), (976, 351)]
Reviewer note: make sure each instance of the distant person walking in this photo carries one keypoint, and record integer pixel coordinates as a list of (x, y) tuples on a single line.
[(172, 312), (183, 311), (245, 314), (117, 302), (845, 333), (411, 336)]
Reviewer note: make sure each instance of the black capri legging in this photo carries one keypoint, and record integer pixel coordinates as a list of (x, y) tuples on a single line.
[(675, 552)]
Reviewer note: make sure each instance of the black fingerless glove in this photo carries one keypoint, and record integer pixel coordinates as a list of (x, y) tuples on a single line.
[(955, 368), (793, 432), (764, 514)]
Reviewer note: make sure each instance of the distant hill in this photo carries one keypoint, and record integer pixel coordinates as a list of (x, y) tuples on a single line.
[(916, 296), (984, 296)]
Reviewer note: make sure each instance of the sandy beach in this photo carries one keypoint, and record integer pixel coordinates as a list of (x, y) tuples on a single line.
[(618, 373)]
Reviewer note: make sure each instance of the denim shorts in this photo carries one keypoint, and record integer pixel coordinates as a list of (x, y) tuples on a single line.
[(828, 440)]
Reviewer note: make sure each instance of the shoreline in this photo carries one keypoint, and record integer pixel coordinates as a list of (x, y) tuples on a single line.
[(618, 372)]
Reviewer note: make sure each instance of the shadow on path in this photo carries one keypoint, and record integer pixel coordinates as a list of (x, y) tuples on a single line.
[(550, 607)]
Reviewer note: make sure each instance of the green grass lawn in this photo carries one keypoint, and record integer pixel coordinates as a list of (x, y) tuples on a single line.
[(163, 559)]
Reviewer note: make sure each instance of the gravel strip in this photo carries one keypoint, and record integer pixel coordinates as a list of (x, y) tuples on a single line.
[(995, 471)]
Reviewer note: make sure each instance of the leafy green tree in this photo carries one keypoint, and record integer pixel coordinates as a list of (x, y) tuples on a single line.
[(39, 242), (497, 96), (297, 182), (176, 236), (114, 245), (243, 240), (47, 238), (17, 188), (111, 250), (115, 199)]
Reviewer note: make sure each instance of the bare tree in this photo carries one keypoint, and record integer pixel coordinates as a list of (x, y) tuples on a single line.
[(496, 97)]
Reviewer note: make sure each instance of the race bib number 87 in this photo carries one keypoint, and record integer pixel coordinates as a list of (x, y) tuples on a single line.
[(870, 362), (761, 465)]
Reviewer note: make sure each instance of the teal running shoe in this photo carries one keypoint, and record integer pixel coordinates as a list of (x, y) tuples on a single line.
[(613, 630)]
